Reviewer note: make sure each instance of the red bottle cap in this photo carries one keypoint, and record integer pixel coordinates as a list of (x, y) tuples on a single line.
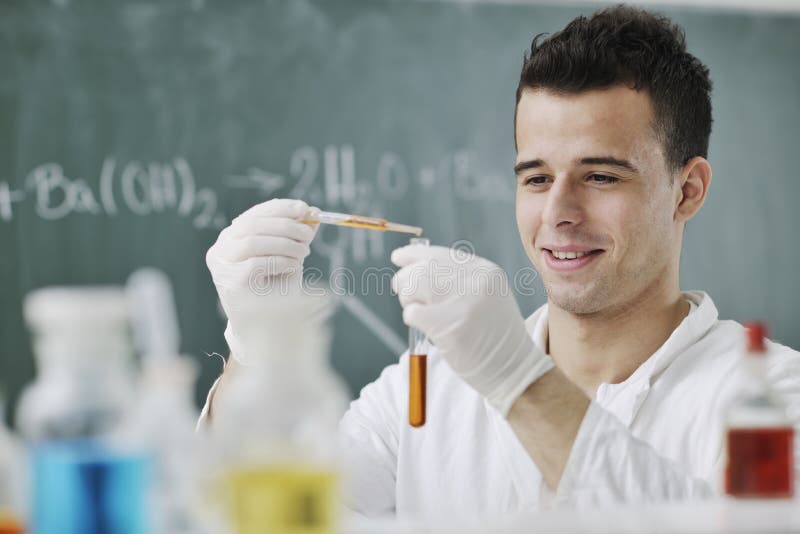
[(756, 332)]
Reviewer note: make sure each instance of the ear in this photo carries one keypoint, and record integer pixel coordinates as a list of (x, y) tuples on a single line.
[(693, 181)]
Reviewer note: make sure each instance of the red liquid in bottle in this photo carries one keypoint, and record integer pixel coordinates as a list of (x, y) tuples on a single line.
[(760, 462)]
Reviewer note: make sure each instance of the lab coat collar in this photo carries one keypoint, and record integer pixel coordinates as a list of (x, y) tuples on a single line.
[(625, 398), (701, 318)]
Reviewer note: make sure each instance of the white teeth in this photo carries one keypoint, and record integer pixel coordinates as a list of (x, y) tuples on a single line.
[(568, 255)]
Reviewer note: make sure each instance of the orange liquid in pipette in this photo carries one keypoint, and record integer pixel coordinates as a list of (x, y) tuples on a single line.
[(356, 221), (370, 223), (417, 386), (360, 223)]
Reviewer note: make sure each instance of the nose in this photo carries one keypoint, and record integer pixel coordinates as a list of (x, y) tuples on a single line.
[(563, 204)]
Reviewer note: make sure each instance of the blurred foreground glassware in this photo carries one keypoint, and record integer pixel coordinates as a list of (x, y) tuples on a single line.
[(274, 428), (83, 353), (12, 480), (760, 435), (82, 389), (162, 421), (84, 487)]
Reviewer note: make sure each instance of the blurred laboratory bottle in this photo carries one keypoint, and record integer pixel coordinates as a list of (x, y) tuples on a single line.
[(13, 486), (83, 356), (162, 421), (274, 425), (759, 441), (83, 386), (161, 425)]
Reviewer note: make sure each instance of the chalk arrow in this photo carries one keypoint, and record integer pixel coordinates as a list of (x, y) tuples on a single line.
[(255, 178)]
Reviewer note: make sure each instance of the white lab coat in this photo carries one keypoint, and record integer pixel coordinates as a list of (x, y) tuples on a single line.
[(656, 436)]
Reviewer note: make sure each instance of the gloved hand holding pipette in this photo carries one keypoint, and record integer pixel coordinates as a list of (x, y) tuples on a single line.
[(260, 253), (465, 307)]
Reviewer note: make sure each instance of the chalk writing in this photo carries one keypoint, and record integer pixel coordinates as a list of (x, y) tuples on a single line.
[(324, 177), (142, 189)]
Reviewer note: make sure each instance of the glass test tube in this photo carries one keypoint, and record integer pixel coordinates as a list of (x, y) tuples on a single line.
[(418, 346)]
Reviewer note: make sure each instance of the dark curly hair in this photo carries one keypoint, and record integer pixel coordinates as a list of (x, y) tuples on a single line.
[(630, 46)]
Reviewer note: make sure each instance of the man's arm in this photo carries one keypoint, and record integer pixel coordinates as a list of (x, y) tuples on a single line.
[(231, 368), (368, 444), (587, 456), (546, 419)]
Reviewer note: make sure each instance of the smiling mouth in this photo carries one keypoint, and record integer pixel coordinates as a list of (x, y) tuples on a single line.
[(571, 255), (566, 262)]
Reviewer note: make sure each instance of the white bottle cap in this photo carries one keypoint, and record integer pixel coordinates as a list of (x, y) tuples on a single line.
[(75, 307)]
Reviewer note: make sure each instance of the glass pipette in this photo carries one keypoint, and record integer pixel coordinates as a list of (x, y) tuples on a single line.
[(316, 215)]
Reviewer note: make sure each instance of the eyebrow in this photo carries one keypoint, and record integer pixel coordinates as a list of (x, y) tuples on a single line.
[(528, 164), (594, 160), (609, 160)]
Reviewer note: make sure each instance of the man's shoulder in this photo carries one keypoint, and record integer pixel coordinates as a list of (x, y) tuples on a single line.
[(726, 334), (731, 334), (724, 343)]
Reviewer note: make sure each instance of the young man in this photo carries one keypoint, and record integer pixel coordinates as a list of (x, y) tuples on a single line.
[(615, 391)]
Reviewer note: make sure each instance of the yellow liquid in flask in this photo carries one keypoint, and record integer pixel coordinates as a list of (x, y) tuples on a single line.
[(282, 500)]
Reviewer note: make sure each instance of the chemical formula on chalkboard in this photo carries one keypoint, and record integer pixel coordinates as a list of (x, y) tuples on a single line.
[(324, 177), (143, 189)]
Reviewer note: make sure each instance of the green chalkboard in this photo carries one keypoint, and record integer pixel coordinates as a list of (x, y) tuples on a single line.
[(132, 131)]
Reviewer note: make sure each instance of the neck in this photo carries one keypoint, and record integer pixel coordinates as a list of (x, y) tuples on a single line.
[(608, 346)]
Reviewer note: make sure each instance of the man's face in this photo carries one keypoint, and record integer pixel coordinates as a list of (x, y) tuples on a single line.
[(592, 183)]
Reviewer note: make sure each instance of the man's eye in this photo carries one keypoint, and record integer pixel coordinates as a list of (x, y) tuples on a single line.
[(536, 180), (603, 179)]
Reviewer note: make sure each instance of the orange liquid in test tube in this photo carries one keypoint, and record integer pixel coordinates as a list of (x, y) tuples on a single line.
[(418, 346), (417, 386)]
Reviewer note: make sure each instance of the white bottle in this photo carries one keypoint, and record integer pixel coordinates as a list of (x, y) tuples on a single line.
[(274, 428), (161, 425), (83, 354), (162, 421)]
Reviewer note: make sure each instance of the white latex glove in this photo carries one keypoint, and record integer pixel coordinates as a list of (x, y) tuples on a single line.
[(465, 306), (254, 261)]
